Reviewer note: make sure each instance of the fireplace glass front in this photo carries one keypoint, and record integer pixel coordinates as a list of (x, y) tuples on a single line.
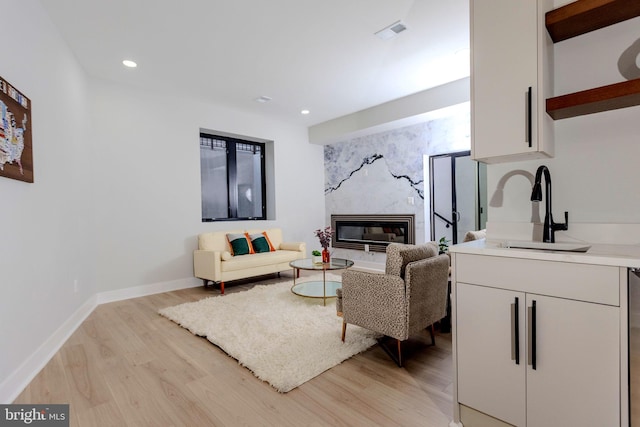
[(372, 232)]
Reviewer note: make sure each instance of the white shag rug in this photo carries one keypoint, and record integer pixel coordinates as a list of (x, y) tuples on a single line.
[(282, 338)]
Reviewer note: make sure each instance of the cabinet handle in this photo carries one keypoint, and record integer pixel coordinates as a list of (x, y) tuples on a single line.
[(515, 331), (529, 117), (531, 311)]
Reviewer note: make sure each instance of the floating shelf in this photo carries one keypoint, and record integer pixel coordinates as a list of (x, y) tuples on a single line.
[(605, 98), (578, 18), (583, 16)]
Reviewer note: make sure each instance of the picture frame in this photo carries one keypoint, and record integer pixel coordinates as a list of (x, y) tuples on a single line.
[(16, 149)]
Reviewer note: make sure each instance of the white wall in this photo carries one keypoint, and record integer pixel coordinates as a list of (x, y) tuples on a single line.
[(147, 181), (116, 198), (595, 172), (44, 242)]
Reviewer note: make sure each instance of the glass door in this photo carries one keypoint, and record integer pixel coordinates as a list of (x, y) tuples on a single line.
[(443, 223), (458, 196)]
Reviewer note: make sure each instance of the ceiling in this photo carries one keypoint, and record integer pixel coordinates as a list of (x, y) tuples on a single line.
[(319, 55)]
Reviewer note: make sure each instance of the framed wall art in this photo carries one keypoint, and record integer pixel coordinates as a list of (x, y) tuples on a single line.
[(16, 151)]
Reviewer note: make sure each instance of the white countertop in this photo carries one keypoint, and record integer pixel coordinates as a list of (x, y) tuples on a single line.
[(599, 254)]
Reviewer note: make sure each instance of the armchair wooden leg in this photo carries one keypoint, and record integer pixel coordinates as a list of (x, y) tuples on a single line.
[(344, 329), (395, 355)]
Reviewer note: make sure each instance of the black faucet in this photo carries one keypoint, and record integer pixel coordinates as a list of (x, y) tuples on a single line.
[(550, 227)]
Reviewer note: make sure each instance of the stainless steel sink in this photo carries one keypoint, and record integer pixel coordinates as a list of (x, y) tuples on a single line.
[(567, 247)]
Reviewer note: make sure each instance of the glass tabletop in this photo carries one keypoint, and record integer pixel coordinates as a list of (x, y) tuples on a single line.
[(308, 264)]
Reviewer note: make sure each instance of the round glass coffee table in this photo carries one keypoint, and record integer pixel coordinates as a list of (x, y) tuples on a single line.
[(315, 288)]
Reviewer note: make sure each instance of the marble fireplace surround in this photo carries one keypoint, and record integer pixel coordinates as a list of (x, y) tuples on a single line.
[(372, 232)]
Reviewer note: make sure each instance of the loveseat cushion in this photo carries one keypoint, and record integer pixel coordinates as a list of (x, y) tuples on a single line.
[(258, 260), (239, 244), (261, 243), (292, 246)]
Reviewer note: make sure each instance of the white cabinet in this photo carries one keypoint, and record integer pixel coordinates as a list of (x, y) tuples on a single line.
[(577, 375), (557, 364), (484, 353), (511, 54)]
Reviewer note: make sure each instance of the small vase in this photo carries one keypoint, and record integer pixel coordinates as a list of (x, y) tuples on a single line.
[(326, 258)]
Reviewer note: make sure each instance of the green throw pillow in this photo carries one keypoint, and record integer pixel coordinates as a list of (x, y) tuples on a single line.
[(259, 243), (239, 244)]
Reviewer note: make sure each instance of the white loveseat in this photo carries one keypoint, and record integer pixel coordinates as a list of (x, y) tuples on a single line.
[(212, 261)]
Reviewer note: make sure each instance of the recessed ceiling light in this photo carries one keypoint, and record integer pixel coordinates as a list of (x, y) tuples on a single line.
[(391, 31), (262, 99), (305, 112), (129, 63)]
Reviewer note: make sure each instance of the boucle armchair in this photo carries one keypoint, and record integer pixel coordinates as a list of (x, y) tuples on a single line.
[(475, 235), (409, 297)]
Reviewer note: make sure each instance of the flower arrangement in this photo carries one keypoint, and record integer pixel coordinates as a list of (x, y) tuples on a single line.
[(324, 235)]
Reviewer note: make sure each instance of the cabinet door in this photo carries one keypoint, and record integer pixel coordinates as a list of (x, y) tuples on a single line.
[(505, 79), (577, 377), (488, 379)]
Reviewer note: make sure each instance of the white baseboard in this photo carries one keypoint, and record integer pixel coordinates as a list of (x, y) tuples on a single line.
[(21, 377), (144, 290)]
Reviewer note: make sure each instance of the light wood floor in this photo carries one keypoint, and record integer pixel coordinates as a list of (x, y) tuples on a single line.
[(128, 366)]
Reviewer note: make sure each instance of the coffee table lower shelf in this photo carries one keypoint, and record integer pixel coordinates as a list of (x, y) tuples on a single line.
[(316, 289)]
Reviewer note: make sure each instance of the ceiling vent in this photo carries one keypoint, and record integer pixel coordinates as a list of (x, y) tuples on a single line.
[(391, 31), (262, 99)]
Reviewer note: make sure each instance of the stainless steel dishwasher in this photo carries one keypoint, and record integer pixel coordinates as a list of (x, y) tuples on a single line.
[(634, 347)]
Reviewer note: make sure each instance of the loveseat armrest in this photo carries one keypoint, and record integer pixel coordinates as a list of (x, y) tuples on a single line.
[(294, 246), (206, 264)]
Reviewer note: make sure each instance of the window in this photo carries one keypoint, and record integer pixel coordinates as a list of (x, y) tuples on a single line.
[(232, 174)]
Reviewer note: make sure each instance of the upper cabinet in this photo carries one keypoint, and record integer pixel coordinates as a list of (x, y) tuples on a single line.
[(578, 18), (511, 78)]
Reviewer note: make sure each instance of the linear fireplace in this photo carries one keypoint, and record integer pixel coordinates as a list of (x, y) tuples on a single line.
[(374, 231)]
